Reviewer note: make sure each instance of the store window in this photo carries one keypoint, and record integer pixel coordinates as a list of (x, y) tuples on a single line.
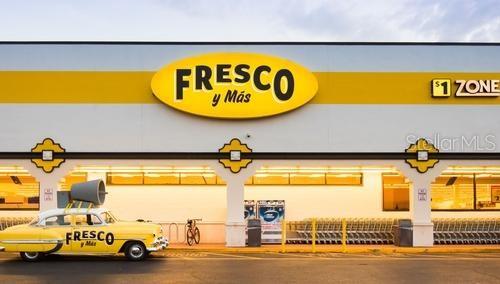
[(130, 178), (198, 178), (306, 176), (396, 192), (18, 190), (312, 179), (457, 188), (344, 179), (467, 188), (161, 178), (270, 179), (452, 192), (69, 180), (264, 176), (488, 192), (164, 176)]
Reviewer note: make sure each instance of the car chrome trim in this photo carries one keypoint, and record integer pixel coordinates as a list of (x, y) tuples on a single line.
[(31, 241), (160, 243), (152, 249)]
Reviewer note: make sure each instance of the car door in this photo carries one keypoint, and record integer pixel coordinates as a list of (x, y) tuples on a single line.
[(91, 235), (56, 233)]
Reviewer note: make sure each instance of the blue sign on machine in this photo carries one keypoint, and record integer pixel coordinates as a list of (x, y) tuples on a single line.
[(250, 209), (271, 214)]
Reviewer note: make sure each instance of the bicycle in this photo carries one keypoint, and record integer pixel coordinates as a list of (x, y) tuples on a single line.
[(192, 233)]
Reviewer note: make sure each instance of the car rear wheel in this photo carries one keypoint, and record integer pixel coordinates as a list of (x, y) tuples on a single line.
[(136, 251), (31, 256)]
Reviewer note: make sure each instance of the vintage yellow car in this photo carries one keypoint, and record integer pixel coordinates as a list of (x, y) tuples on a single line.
[(82, 231)]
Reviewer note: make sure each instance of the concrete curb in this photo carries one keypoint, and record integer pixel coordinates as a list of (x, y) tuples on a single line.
[(372, 250)]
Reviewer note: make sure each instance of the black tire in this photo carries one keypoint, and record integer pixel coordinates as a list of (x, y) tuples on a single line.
[(197, 236), (31, 256), (136, 251), (190, 237)]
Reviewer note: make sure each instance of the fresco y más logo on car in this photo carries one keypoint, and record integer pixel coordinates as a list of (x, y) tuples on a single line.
[(234, 85), (90, 237)]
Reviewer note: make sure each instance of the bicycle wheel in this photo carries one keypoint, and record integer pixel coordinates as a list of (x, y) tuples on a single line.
[(196, 236), (190, 237)]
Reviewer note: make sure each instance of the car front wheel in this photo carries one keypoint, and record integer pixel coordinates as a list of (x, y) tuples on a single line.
[(136, 251), (31, 256)]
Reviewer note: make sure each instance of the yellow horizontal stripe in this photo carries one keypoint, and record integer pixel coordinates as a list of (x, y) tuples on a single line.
[(76, 87), (392, 88), (134, 87)]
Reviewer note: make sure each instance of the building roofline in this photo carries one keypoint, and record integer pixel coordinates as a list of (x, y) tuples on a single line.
[(354, 43)]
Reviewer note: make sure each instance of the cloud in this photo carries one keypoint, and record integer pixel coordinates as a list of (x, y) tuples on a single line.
[(485, 32), (251, 20)]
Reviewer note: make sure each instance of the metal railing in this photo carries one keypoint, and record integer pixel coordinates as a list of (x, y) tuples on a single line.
[(176, 232)]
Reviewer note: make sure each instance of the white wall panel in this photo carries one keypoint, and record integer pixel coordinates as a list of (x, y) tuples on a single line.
[(314, 128), (347, 58)]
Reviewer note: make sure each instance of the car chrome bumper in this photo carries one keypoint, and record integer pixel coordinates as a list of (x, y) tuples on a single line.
[(160, 244)]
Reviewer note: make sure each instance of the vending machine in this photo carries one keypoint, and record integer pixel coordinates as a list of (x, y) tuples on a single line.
[(271, 215)]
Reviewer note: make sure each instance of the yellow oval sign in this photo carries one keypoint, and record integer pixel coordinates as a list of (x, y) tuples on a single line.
[(234, 85)]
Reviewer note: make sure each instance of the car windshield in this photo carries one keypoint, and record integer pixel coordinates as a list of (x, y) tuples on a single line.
[(108, 217)]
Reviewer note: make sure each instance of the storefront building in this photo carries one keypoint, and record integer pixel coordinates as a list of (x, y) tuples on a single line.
[(197, 130)]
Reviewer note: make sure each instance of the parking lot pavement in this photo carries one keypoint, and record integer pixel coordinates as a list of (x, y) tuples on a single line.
[(197, 267)]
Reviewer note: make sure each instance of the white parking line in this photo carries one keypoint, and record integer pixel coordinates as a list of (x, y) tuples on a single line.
[(298, 259), (4, 257), (285, 255), (233, 255)]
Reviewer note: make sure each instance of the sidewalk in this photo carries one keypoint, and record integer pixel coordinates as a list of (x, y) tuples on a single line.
[(350, 249)]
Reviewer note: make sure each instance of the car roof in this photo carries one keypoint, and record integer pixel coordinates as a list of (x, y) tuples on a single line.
[(62, 211)]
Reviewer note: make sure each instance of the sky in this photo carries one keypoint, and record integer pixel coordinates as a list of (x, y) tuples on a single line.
[(252, 20)]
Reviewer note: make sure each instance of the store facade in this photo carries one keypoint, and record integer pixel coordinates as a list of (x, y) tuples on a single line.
[(195, 130)]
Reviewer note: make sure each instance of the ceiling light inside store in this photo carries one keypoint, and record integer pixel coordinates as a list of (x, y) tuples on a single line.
[(13, 169), (454, 170)]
